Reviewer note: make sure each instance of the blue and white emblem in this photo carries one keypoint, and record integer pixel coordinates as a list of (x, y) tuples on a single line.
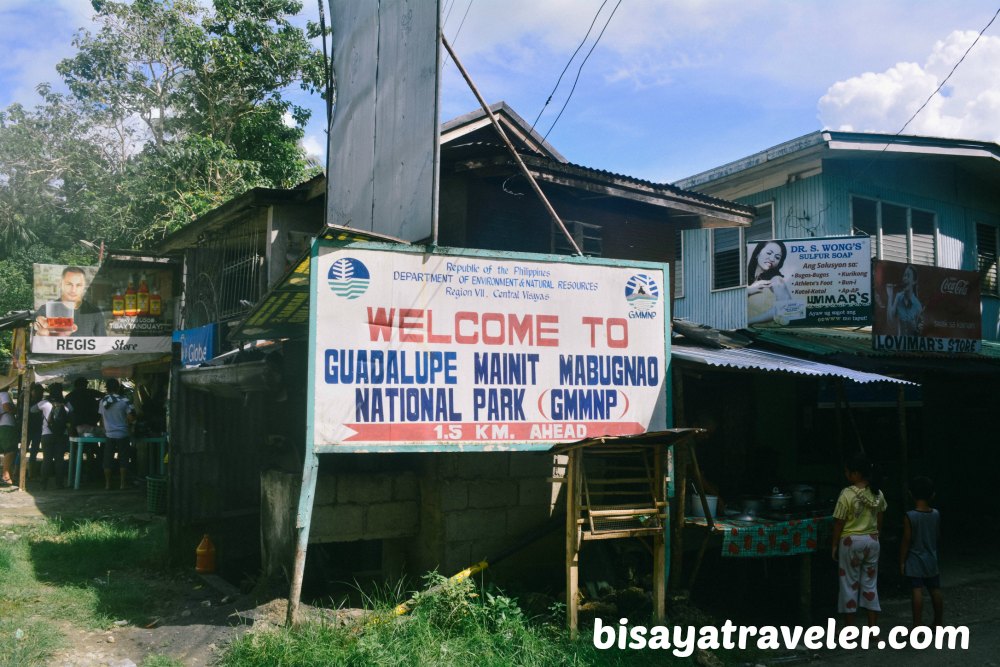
[(348, 278), (641, 292)]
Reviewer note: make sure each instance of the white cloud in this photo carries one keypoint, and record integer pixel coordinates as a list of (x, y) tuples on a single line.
[(315, 148), (967, 107)]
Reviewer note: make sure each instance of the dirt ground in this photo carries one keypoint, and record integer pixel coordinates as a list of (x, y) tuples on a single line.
[(191, 623), (200, 615)]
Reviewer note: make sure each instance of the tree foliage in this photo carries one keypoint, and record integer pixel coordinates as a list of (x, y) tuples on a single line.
[(173, 109)]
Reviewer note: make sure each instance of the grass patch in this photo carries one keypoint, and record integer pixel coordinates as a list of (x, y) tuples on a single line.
[(88, 573), (161, 661), (456, 624)]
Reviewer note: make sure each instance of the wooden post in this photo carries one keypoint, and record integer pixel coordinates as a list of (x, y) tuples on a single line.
[(659, 542), (679, 504), (24, 398), (805, 588), (307, 492), (572, 539), (696, 470), (904, 450)]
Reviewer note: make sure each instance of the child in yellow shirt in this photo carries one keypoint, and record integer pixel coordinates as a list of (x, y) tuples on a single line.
[(856, 526)]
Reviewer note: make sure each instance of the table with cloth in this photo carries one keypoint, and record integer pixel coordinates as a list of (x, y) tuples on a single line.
[(767, 538), (764, 538)]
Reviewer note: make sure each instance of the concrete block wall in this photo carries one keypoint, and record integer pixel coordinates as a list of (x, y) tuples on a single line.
[(365, 506), (474, 505), (440, 512)]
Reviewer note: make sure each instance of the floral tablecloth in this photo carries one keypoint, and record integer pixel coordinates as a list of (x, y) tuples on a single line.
[(763, 538)]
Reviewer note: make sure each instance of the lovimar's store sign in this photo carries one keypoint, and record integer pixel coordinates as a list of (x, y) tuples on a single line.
[(482, 351), (80, 310)]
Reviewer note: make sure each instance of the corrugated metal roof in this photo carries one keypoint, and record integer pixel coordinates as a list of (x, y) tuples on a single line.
[(762, 360)]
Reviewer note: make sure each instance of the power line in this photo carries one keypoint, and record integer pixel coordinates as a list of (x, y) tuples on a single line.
[(568, 63), (459, 31), (938, 89), (930, 97), (578, 71)]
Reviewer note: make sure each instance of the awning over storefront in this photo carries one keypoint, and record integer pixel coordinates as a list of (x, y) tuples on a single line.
[(853, 348), (96, 366), (762, 360)]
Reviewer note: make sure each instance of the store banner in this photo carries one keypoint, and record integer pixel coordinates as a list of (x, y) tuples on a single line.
[(446, 350), (80, 310), (926, 309), (816, 282), (197, 345)]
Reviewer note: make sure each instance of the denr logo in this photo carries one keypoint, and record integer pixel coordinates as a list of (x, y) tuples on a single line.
[(348, 278)]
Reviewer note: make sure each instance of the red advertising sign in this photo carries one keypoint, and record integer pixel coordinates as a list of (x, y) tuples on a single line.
[(925, 309)]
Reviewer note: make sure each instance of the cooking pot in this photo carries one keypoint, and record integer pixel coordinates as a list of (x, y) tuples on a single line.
[(777, 500), (751, 504), (803, 494)]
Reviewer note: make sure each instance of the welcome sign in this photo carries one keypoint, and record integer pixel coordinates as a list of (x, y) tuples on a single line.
[(474, 350)]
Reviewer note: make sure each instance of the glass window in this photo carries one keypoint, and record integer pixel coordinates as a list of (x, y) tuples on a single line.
[(898, 233), (729, 248), (987, 249)]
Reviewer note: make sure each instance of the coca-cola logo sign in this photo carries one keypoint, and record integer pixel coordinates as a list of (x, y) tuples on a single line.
[(957, 286)]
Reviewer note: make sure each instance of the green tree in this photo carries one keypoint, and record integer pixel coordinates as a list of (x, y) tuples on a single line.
[(188, 107)]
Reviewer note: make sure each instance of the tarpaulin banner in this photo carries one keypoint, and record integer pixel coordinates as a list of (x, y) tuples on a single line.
[(80, 310), (926, 309), (812, 282)]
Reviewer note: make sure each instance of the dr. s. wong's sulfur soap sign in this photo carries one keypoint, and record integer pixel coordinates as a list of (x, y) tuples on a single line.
[(445, 349), (809, 282)]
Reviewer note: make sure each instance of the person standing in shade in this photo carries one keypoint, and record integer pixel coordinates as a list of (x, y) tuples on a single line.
[(36, 394), (117, 414), (83, 402), (8, 437), (918, 551), (55, 441)]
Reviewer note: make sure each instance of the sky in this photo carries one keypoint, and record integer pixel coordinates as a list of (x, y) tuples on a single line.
[(673, 87)]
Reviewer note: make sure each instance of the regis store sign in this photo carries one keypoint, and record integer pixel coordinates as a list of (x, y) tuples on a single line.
[(925, 309), (481, 351)]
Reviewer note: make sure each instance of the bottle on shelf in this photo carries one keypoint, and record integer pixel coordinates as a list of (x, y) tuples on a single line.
[(118, 301), (142, 296), (156, 301), (131, 302)]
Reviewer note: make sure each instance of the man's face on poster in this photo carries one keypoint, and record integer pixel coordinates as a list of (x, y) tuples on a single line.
[(74, 286)]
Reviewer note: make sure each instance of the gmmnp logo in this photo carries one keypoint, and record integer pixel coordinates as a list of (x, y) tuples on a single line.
[(348, 278), (642, 294)]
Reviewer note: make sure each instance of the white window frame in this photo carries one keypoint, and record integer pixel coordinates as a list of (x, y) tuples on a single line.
[(878, 245), (995, 292), (742, 249)]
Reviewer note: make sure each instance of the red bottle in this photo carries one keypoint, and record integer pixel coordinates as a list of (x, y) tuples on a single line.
[(131, 304), (142, 296), (118, 302)]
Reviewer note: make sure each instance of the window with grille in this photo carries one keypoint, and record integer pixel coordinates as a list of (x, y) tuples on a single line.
[(588, 237), (987, 250), (898, 233), (729, 260)]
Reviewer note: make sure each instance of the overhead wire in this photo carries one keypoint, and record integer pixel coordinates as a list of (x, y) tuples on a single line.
[(568, 63), (580, 69), (459, 31), (931, 96)]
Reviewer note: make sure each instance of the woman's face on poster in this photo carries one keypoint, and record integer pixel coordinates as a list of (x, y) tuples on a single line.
[(770, 257)]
